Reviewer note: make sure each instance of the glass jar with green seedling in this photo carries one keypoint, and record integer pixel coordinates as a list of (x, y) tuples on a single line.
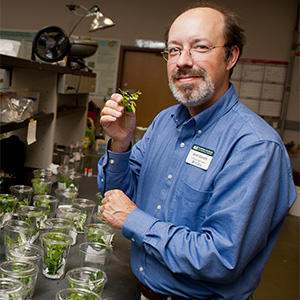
[(92, 279), (56, 248), (11, 289), (65, 196), (23, 193), (100, 233), (48, 204), (60, 225), (22, 270), (76, 294), (32, 215), (17, 231), (8, 203), (41, 186)]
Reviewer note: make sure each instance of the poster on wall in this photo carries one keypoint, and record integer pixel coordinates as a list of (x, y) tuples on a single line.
[(104, 62)]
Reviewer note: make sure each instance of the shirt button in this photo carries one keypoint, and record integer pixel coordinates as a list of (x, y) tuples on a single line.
[(141, 269), (199, 131), (158, 207), (112, 161), (133, 240), (102, 179), (170, 176), (182, 145)]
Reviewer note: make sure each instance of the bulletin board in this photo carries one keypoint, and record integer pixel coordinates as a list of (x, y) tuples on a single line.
[(260, 85), (104, 62)]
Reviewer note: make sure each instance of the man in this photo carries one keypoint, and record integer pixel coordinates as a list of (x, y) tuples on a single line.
[(204, 194)]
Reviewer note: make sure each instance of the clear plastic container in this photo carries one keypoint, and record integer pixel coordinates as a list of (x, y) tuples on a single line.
[(78, 294), (56, 248), (100, 233), (87, 278), (94, 255), (12, 289), (8, 203), (22, 270), (65, 196), (23, 193), (25, 252), (41, 186), (75, 215), (61, 225), (17, 231), (48, 204), (32, 215), (43, 173), (86, 206), (97, 218)]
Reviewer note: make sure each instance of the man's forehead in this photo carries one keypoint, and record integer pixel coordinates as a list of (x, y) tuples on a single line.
[(207, 18)]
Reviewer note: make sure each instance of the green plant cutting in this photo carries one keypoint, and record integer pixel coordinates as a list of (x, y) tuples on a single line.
[(129, 101), (39, 189), (54, 260), (7, 203)]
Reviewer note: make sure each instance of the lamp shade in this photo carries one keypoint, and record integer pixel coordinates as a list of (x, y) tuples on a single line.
[(100, 22)]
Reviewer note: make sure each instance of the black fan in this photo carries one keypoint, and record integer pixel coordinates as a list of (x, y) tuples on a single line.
[(51, 44)]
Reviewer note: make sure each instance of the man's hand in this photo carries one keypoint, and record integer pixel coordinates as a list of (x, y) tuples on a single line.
[(113, 122), (116, 206)]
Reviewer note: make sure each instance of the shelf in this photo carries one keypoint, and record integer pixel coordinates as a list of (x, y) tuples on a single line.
[(65, 111), (9, 62), (6, 127)]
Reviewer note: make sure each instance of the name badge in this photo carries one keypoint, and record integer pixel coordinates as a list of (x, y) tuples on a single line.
[(200, 157)]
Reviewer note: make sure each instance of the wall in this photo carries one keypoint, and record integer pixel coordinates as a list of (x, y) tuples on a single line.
[(269, 23)]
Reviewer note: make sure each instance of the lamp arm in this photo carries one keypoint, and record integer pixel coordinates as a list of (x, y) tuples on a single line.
[(88, 14)]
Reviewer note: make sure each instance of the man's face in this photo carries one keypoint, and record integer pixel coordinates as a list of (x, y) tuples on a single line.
[(200, 79)]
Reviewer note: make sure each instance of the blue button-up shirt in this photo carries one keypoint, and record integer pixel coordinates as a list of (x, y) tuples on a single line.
[(205, 226)]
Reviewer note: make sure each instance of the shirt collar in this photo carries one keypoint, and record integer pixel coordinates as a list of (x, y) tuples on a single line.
[(206, 118)]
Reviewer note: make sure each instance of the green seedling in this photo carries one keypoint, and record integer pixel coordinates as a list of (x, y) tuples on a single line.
[(129, 101), (55, 255)]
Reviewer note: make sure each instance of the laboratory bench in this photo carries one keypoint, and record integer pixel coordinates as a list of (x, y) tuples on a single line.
[(121, 284)]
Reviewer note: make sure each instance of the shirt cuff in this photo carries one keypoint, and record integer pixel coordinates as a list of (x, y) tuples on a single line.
[(116, 162), (136, 225)]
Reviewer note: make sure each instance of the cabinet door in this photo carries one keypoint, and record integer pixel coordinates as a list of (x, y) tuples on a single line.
[(146, 70)]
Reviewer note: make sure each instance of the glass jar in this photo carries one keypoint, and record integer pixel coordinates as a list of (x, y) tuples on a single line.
[(65, 196), (61, 225), (48, 204), (76, 294), (56, 248), (75, 215), (42, 173), (17, 231), (86, 206), (23, 193), (25, 252), (41, 186), (100, 233), (12, 289), (22, 270), (94, 255), (87, 278), (32, 215), (8, 203)]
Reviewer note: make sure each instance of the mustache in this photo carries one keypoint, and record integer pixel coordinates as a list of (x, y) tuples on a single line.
[(187, 71)]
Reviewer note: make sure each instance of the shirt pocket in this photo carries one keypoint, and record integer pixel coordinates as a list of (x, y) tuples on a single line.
[(189, 205)]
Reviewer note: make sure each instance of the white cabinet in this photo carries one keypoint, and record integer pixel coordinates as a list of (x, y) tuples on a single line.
[(63, 101)]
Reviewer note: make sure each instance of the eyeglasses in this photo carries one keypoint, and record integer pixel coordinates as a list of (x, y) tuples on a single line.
[(195, 52)]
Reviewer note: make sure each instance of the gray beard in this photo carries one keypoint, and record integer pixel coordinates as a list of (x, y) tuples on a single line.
[(190, 94)]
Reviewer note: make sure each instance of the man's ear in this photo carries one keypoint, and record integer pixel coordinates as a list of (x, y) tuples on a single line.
[(233, 57)]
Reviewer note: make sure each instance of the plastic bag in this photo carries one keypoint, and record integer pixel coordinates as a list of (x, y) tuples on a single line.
[(15, 109)]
